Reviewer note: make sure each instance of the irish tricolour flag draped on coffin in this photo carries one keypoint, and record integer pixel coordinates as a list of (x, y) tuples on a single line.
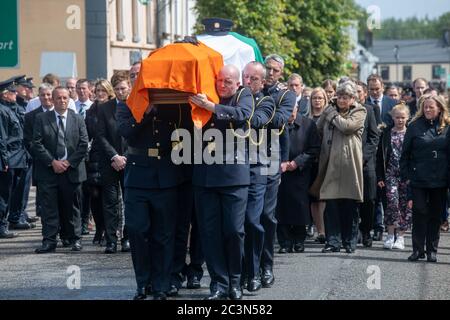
[(171, 73)]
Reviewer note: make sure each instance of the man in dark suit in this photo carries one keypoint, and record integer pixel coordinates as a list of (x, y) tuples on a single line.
[(45, 97), (295, 84), (419, 86), (382, 106), (112, 166), (378, 99), (370, 139), (221, 187), (59, 148)]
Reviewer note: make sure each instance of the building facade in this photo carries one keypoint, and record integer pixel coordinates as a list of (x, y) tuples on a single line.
[(94, 38), (402, 61)]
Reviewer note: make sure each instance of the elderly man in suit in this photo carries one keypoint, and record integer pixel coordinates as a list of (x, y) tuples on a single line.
[(59, 148)]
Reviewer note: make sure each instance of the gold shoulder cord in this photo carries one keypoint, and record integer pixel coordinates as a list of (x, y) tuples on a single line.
[(258, 143), (246, 135), (282, 127)]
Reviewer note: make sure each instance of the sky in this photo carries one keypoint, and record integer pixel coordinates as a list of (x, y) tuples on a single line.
[(408, 8)]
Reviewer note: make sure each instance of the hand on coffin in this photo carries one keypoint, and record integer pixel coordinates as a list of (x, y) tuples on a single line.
[(202, 101)]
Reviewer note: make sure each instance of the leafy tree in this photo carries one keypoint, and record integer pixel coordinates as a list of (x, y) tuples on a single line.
[(309, 34)]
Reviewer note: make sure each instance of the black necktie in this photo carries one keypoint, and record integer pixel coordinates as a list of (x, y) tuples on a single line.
[(61, 145)]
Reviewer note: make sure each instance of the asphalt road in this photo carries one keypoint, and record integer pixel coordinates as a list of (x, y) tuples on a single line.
[(308, 275)]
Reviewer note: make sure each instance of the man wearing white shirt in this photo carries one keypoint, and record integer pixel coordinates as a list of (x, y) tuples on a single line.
[(59, 148), (382, 103), (83, 103)]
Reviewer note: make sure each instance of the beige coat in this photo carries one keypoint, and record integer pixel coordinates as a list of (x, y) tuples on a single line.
[(341, 161)]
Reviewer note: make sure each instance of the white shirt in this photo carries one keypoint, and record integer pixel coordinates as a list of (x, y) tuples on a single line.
[(64, 120), (36, 103), (45, 110), (87, 104), (379, 103)]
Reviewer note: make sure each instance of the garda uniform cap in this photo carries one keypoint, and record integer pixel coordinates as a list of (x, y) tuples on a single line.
[(7, 85), (24, 81), (217, 26)]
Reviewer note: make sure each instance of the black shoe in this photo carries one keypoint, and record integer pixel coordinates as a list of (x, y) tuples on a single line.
[(282, 250), (236, 294), (349, 249), (267, 279), (76, 246), (111, 248), (6, 234), (193, 283), (98, 237), (254, 284), (328, 249), (141, 294), (159, 296), (21, 225), (367, 240), (320, 238), (173, 291), (66, 243), (416, 256), (431, 257), (125, 246), (377, 236), (32, 219), (85, 229), (46, 248), (299, 247), (217, 295)]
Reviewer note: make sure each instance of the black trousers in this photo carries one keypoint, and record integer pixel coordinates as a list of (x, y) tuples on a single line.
[(183, 224), (289, 235), (60, 201), (6, 186), (269, 221), (221, 216), (150, 219), (367, 212), (96, 195), (19, 196), (112, 187), (341, 220), (85, 204), (254, 231), (196, 256), (428, 205)]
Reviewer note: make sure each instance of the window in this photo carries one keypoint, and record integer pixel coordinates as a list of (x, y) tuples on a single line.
[(384, 71), (120, 36), (407, 73), (436, 71)]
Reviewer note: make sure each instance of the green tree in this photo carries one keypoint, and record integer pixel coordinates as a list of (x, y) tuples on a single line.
[(263, 20), (309, 34), (319, 30)]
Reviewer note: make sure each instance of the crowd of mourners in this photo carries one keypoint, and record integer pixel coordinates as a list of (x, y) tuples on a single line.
[(357, 162)]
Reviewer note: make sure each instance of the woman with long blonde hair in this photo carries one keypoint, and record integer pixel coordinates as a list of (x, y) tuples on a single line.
[(425, 163)]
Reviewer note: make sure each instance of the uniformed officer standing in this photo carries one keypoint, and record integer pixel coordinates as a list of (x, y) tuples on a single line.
[(151, 195), (18, 216), (13, 156), (254, 78), (221, 189), (284, 104)]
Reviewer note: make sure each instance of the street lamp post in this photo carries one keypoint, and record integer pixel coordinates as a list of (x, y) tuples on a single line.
[(396, 59)]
